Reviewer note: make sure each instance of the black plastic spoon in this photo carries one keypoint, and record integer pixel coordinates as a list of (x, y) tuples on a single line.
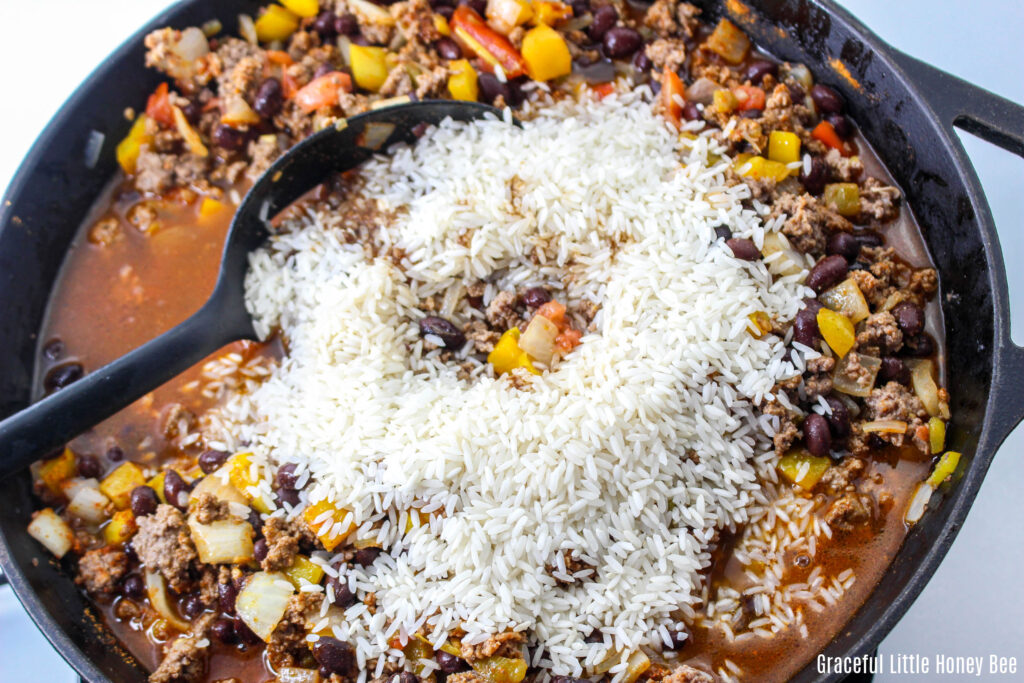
[(56, 419)]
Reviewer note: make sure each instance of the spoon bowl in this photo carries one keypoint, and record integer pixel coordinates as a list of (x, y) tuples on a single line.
[(63, 415)]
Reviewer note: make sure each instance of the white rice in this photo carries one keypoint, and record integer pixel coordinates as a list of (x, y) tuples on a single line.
[(631, 453)]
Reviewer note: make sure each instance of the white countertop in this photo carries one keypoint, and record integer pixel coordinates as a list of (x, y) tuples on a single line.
[(972, 606)]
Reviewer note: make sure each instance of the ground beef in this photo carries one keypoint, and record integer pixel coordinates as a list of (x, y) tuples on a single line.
[(209, 583), (467, 677), (837, 477), (156, 172), (398, 82), (787, 432), (878, 200), (843, 169), (809, 222), (876, 291), (432, 83), (100, 570), (415, 21), (176, 421), (164, 545), (508, 644), (378, 34), (688, 674), (894, 402), (263, 151), (283, 541), (672, 18), (880, 336), (483, 337), (780, 113), (924, 283), (185, 662), (818, 378), (573, 565), (209, 509), (666, 53), (105, 232), (287, 645), (190, 76), (848, 511), (501, 312)]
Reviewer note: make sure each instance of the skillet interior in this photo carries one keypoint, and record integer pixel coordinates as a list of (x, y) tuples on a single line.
[(54, 189)]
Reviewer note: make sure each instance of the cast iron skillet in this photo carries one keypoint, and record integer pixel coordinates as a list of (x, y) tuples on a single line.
[(905, 108)]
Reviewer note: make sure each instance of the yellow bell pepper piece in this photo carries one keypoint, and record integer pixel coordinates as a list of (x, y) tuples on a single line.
[(944, 468), (936, 435), (759, 167), (501, 669), (724, 101), (304, 569), (241, 477), (836, 330), (276, 23), (462, 84), (304, 8), (210, 207), (441, 24), (550, 12), (323, 525), (55, 472), (369, 66), (546, 54), (803, 469), (783, 147), (157, 484), (120, 528), (128, 149), (762, 324), (119, 484), (843, 197), (507, 355)]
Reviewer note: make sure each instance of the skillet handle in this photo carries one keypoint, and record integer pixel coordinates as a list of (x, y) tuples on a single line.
[(999, 121)]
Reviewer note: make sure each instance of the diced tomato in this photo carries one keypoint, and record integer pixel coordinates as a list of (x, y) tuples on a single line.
[(827, 134), (568, 340), (289, 86), (470, 30), (279, 57), (323, 91), (603, 90), (555, 312), (671, 87), (749, 97), (158, 107)]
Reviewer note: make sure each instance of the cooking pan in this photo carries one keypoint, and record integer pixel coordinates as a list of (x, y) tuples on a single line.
[(905, 108)]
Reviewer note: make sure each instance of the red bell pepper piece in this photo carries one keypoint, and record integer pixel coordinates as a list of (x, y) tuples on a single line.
[(470, 30), (826, 133), (671, 86), (749, 97), (158, 107), (603, 90)]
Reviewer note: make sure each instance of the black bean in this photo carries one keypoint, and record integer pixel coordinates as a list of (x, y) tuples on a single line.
[(260, 550), (920, 345), (805, 328), (535, 297), (445, 11), (594, 636), (844, 244), (89, 466), (223, 631), (63, 375), (515, 91), (270, 97), (448, 48), (478, 6), (868, 238), (827, 272), (227, 137), (621, 41), (827, 100), (691, 112), (175, 490), (366, 556), (909, 317), (816, 178), (580, 7), (752, 113), (491, 88), (192, 112), (289, 496), (842, 125), (816, 435), (53, 350), (336, 656), (256, 522), (679, 639), (346, 25), (191, 606), (796, 91), (839, 420), (605, 17), (723, 232), (115, 454), (894, 370), (144, 501), (743, 249), (226, 595), (245, 634), (434, 4), (324, 24), (450, 336), (404, 677), (759, 68), (211, 460), (641, 62), (134, 587), (343, 595), (285, 476), (449, 663), (568, 679)]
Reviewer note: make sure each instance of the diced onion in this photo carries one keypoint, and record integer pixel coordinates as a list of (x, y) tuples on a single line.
[(192, 45), (844, 383), (89, 505), (846, 298), (262, 602), (375, 134), (918, 503), (52, 531), (288, 674), (237, 111), (702, 91), (226, 541), (247, 29), (921, 372), (789, 261), (216, 485), (885, 427), (370, 12), (539, 339), (156, 589)]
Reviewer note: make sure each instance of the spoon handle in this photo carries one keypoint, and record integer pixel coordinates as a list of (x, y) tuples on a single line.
[(63, 415)]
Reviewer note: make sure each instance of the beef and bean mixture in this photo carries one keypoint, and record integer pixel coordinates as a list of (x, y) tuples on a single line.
[(157, 529)]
